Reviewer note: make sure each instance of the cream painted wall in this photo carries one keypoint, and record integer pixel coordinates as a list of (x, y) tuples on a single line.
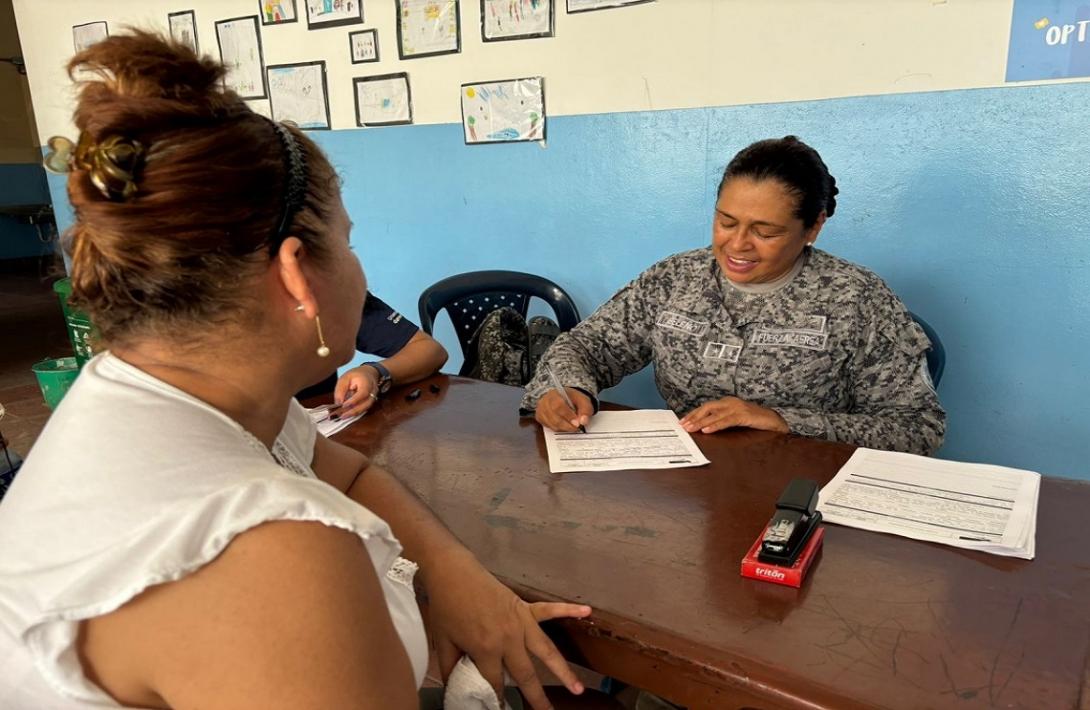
[(661, 55)]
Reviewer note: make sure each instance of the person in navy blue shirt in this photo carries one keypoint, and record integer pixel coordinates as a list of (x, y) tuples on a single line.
[(409, 354)]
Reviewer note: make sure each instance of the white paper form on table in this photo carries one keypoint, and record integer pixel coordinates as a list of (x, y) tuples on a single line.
[(973, 506), (618, 441)]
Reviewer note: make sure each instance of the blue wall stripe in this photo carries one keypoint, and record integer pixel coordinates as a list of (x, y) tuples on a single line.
[(971, 204)]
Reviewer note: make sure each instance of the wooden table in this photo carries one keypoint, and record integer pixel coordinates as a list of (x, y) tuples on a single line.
[(881, 620)]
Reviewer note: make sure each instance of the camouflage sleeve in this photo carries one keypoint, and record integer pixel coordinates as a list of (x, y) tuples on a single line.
[(613, 342), (894, 405)]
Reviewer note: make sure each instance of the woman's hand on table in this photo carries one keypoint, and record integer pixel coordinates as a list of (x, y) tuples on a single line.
[(472, 613), (730, 412)]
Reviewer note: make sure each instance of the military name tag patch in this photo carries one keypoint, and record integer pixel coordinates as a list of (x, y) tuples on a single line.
[(722, 351), (790, 338), (676, 321), (812, 323)]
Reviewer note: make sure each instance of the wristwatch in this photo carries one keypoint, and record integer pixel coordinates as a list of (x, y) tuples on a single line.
[(385, 379)]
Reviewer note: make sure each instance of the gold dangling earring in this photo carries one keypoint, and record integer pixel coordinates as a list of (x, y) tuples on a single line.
[(323, 351)]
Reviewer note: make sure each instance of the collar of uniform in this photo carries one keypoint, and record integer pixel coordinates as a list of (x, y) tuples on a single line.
[(774, 285), (774, 304)]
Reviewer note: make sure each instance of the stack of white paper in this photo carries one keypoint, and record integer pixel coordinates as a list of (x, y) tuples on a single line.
[(975, 506), (617, 441), (328, 427)]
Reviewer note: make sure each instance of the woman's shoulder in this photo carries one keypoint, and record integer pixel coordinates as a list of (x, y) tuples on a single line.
[(682, 264), (98, 547), (97, 558), (831, 269), (281, 564), (119, 430), (847, 282), (859, 290), (700, 257), (127, 471)]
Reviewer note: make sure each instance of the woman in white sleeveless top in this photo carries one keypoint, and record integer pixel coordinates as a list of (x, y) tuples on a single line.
[(180, 537)]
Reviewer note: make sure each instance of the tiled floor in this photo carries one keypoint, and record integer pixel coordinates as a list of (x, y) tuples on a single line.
[(31, 329)]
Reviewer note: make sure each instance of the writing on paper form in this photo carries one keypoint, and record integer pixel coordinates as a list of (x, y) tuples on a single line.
[(974, 506), (617, 441)]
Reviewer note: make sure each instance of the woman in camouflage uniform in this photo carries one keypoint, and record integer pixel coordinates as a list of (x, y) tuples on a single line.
[(760, 329)]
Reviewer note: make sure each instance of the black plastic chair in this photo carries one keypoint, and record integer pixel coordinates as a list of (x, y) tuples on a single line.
[(936, 356), (471, 296)]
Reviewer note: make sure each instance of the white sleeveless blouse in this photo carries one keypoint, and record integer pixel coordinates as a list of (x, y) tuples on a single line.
[(135, 483)]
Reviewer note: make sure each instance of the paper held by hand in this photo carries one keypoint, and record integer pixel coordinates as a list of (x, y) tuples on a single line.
[(617, 441), (327, 426)]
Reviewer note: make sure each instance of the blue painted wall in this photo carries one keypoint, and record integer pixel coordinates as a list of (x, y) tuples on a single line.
[(971, 204), (21, 184)]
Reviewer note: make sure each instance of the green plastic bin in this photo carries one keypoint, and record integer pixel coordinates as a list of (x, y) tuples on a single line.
[(79, 325), (55, 376)]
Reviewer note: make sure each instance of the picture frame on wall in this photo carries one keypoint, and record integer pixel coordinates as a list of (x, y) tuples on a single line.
[(239, 40), (333, 13), (504, 111), (299, 93), (278, 12), (428, 28), (183, 29), (383, 100), (503, 20), (588, 5), (363, 44), (261, 106), (89, 33)]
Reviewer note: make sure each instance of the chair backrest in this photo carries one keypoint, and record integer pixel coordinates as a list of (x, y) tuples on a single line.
[(471, 296), (936, 356)]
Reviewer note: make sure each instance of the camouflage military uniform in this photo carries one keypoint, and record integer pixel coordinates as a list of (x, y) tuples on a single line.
[(834, 351)]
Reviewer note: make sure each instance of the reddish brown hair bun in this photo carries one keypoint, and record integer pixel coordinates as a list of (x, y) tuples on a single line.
[(209, 194)]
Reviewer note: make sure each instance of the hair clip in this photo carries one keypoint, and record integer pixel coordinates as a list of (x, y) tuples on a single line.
[(112, 162), (59, 157)]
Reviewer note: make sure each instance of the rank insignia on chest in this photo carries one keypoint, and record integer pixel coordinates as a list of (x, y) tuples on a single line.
[(722, 351)]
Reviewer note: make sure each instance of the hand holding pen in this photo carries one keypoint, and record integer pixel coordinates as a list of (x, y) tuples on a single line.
[(563, 409)]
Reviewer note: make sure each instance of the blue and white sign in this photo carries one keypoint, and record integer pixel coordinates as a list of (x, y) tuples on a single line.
[(1050, 39)]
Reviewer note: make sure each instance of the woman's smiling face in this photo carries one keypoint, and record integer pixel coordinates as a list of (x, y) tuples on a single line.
[(756, 234)]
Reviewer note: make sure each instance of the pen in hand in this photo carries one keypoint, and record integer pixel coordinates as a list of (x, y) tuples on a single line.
[(563, 393)]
